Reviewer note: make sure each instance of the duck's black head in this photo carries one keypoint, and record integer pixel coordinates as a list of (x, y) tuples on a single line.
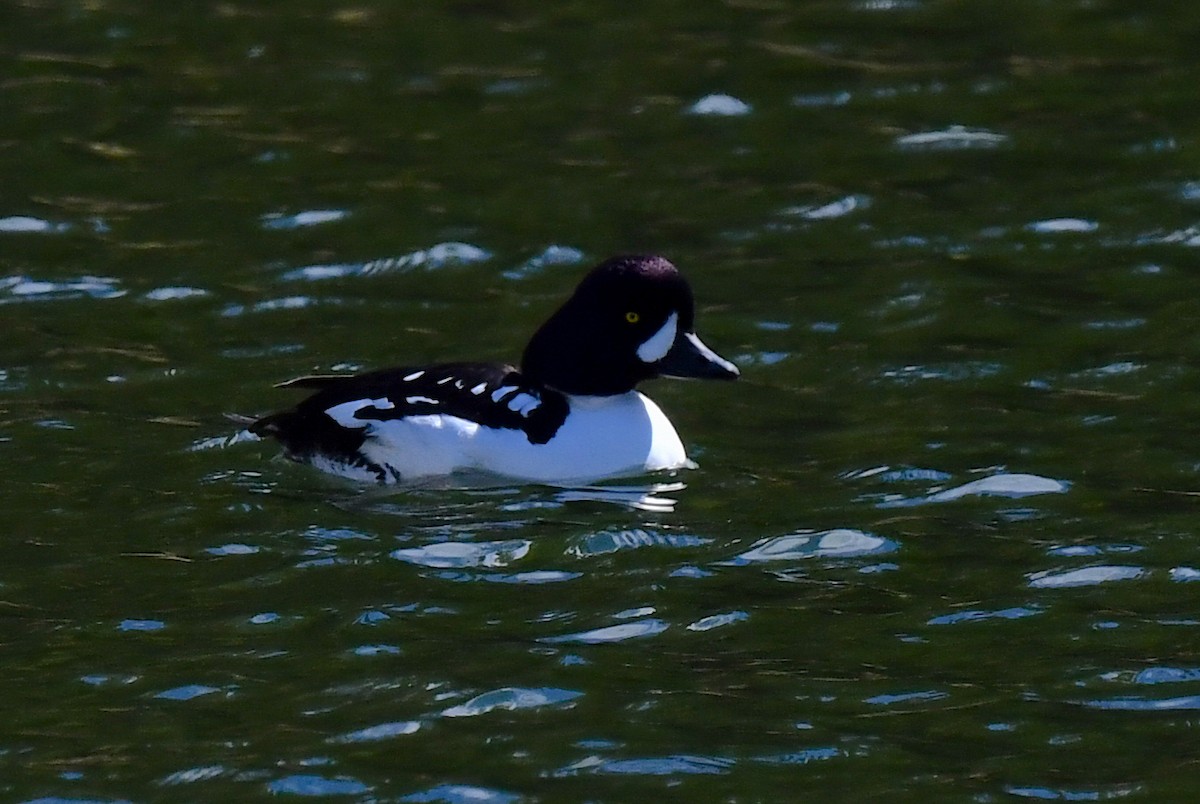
[(631, 319)]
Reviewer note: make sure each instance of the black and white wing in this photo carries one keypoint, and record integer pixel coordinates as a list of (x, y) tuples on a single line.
[(334, 420)]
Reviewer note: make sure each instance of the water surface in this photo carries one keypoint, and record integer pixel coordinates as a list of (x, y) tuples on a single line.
[(941, 543)]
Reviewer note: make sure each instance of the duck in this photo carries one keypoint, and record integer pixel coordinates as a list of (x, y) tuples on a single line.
[(569, 414)]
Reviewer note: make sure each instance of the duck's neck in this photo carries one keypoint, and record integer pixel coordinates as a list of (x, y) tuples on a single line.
[(594, 401)]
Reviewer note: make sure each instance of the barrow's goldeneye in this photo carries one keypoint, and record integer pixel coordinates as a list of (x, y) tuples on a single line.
[(570, 414)]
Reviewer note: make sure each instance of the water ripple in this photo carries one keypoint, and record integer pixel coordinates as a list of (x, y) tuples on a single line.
[(187, 692), (274, 305), (550, 257), (512, 698), (461, 794), (975, 615), (1183, 703), (1063, 226), (1154, 675), (202, 773), (954, 138), (1117, 323), (804, 756), (174, 293), (233, 549), (25, 289), (1111, 370), (953, 372), (612, 541), (638, 498), (141, 625), (1087, 576), (1060, 794), (838, 543), (222, 442), (760, 358), (532, 577), (718, 620), (1185, 574), (906, 697), (431, 259), (1076, 550), (821, 101), (514, 86), (885, 474), (384, 731), (453, 555), (612, 633), (679, 764), (311, 217), (1011, 486), (719, 105), (1188, 236), (312, 785), (1167, 675), (26, 224), (834, 209), (887, 5)]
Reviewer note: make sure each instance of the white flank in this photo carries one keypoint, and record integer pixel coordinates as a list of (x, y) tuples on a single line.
[(501, 391), (414, 376), (420, 446), (655, 347), (479, 389), (602, 437)]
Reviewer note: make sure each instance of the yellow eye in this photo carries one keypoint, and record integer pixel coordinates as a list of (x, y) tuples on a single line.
[(632, 317)]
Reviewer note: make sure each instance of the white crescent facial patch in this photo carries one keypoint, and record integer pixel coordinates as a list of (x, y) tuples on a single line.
[(655, 347)]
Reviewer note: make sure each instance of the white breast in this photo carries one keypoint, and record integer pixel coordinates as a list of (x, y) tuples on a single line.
[(601, 437)]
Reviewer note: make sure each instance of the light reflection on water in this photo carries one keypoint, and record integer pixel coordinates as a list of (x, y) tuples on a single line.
[(383, 731), (611, 541), (954, 138), (650, 626), (650, 766), (26, 224), (1086, 576), (1005, 485), (461, 794), (839, 543), (976, 615), (16, 289), (510, 699), (313, 785), (446, 555), (441, 255)]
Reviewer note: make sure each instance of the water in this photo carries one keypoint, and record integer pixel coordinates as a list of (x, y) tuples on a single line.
[(942, 541)]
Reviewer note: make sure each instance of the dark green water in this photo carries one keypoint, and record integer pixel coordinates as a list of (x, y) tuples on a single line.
[(943, 539)]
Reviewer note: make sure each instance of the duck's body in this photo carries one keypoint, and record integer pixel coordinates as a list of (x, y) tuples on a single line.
[(570, 415)]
